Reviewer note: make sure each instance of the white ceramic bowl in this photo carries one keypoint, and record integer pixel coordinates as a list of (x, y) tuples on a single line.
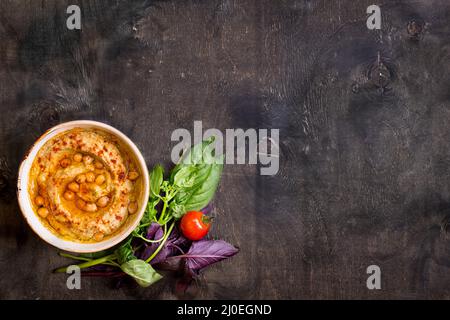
[(26, 204)]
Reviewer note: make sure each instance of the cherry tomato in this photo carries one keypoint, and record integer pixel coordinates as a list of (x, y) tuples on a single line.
[(195, 225)]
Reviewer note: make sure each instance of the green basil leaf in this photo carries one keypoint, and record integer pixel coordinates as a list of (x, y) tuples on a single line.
[(125, 252), (199, 153), (141, 271), (156, 180), (150, 212), (199, 197), (197, 177), (185, 177), (206, 180), (178, 210)]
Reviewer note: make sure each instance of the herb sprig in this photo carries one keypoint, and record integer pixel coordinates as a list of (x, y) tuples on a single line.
[(190, 186)]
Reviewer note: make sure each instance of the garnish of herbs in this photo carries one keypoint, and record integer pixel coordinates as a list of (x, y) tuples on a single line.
[(189, 186)]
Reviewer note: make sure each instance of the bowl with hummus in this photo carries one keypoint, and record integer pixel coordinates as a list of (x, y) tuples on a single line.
[(83, 187)]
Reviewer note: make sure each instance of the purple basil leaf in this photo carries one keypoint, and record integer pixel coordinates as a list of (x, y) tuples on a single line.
[(175, 244), (178, 240), (161, 256), (153, 228), (154, 232), (206, 252), (186, 287), (174, 265)]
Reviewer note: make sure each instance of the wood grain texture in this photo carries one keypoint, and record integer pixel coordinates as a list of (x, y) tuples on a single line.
[(364, 134)]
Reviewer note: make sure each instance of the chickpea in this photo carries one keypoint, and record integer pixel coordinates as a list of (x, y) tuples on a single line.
[(42, 179), (61, 218), (133, 175), (80, 203), (77, 157), (65, 162), (43, 212), (103, 201), (69, 195), (90, 177), (39, 201), (100, 179), (98, 165), (98, 236), (73, 186), (88, 160), (81, 178), (90, 207), (132, 207)]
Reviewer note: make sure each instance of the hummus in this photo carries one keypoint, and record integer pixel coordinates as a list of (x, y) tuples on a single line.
[(84, 185)]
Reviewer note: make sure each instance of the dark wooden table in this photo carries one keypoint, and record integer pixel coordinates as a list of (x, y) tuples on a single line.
[(364, 119)]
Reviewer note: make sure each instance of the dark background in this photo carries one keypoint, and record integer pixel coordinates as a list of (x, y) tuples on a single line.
[(364, 134)]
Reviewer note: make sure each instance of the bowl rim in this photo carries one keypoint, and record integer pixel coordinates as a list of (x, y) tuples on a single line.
[(24, 198)]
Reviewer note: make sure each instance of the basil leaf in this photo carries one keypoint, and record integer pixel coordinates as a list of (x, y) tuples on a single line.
[(185, 177), (141, 271), (125, 252), (178, 210), (150, 211), (199, 153), (156, 180), (206, 252), (197, 176), (206, 179), (199, 197)]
